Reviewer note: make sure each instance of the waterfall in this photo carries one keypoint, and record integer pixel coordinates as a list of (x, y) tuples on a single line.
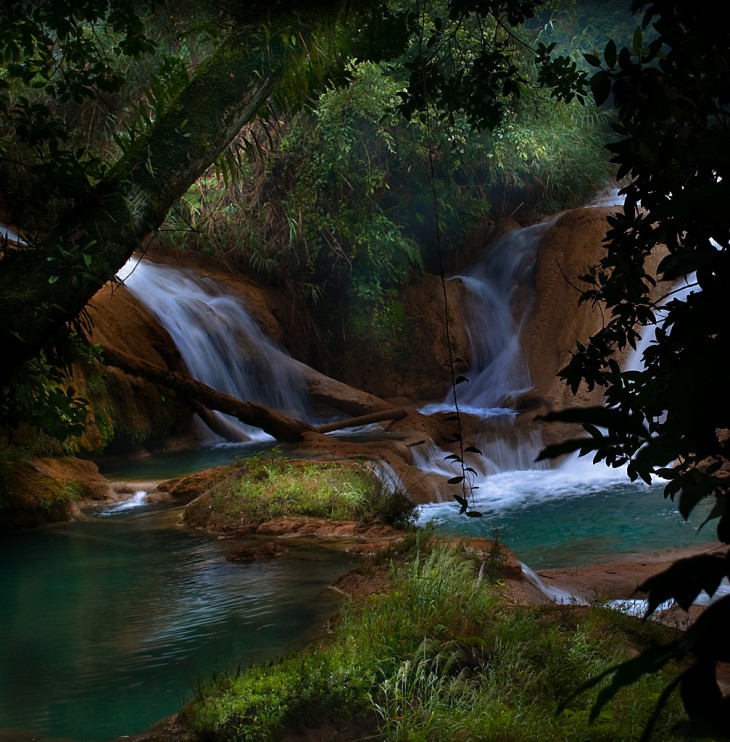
[(220, 343), (499, 300), (138, 500)]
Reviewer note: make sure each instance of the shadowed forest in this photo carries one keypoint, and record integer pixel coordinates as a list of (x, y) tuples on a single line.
[(350, 351)]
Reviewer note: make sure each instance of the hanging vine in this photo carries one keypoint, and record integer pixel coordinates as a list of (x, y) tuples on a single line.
[(466, 475)]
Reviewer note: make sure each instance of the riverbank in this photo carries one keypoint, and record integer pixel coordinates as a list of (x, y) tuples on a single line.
[(618, 580), (227, 511), (375, 584)]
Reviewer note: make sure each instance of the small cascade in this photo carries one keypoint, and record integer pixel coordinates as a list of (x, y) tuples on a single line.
[(220, 343), (499, 300), (137, 500), (682, 289)]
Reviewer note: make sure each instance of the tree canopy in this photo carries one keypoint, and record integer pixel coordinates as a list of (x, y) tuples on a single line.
[(669, 419), (83, 204)]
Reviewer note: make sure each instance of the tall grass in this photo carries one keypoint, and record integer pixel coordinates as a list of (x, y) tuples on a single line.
[(265, 488), (440, 656)]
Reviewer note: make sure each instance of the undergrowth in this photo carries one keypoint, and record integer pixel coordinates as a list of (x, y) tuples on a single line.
[(441, 657)]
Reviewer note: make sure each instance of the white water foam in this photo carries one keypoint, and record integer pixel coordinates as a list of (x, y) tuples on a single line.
[(138, 500)]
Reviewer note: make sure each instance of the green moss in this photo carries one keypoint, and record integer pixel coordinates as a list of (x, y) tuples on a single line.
[(264, 488)]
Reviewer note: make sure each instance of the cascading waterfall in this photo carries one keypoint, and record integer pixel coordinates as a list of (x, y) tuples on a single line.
[(576, 512), (220, 343), (499, 300)]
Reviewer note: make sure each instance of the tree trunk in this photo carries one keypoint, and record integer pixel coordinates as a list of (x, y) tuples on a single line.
[(396, 413), (274, 423), (46, 285)]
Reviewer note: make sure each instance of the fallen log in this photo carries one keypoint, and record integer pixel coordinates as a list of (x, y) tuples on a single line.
[(276, 424), (396, 413)]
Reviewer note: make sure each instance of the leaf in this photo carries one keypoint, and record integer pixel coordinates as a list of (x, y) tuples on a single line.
[(472, 449), (649, 661), (474, 514), (708, 635), (699, 690), (600, 87), (460, 379), (560, 449), (684, 580), (637, 41), (602, 417), (455, 480), (593, 431), (460, 500), (609, 53)]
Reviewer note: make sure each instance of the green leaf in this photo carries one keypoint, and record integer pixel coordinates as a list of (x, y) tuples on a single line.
[(584, 445), (600, 87), (609, 54), (637, 41), (684, 580)]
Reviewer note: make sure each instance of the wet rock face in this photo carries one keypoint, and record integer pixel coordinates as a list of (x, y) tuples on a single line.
[(557, 321), (417, 364), (126, 409), (48, 490)]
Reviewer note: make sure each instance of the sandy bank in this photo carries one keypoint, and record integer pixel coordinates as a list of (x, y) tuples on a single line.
[(618, 579)]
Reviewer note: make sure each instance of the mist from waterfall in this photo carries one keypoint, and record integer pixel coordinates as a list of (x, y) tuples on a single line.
[(219, 341)]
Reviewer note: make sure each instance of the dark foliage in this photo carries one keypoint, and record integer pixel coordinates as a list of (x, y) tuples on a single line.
[(669, 419)]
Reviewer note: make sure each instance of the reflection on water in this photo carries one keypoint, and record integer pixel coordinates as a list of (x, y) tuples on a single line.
[(166, 465), (107, 625)]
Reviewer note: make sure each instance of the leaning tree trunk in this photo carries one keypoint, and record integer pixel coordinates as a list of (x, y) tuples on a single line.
[(46, 285), (275, 423)]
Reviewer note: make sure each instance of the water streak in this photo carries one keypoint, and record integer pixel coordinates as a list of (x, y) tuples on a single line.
[(499, 301), (138, 500), (220, 343)]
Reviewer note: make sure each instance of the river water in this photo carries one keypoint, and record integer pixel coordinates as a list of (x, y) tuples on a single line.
[(108, 624)]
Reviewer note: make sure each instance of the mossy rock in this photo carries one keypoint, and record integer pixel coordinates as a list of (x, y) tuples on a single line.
[(263, 490), (47, 490)]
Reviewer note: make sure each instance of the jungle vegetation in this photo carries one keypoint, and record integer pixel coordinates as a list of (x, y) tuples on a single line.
[(119, 117)]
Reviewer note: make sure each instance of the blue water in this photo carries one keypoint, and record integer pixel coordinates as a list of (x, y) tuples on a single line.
[(108, 624), (555, 519), (178, 463)]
